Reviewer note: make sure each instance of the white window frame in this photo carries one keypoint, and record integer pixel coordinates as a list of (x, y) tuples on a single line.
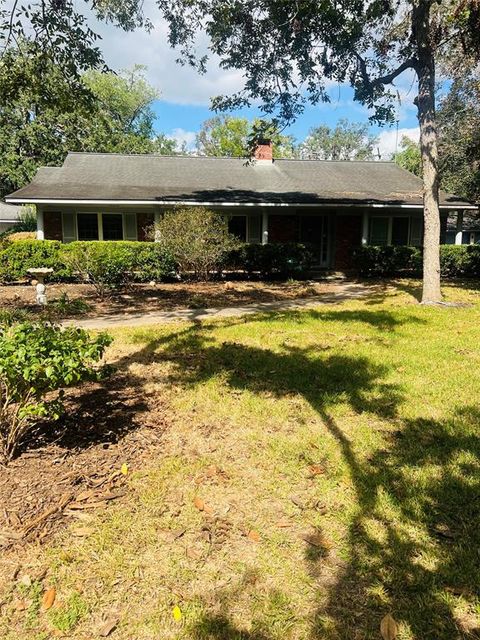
[(100, 222), (390, 228)]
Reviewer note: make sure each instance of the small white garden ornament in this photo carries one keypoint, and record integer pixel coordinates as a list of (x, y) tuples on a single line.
[(40, 274)]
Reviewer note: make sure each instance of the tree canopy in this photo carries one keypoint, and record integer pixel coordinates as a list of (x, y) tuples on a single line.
[(346, 141), (409, 157), (43, 119), (230, 136)]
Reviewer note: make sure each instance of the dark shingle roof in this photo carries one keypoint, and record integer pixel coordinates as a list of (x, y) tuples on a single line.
[(9, 212), (86, 176)]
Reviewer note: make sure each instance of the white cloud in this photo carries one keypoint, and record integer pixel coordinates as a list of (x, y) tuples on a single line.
[(390, 140), (182, 137)]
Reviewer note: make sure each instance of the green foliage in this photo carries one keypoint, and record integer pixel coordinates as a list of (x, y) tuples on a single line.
[(106, 265), (67, 617), (409, 156), (37, 361), (17, 257), (455, 260), (197, 239), (47, 117), (459, 142), (347, 141), (230, 136), (272, 260)]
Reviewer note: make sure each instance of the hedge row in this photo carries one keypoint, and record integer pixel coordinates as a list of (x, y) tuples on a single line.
[(455, 261), (113, 263)]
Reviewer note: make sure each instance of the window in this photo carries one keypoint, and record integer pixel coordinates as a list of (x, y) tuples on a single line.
[(255, 229), (400, 231), (87, 224), (379, 231), (237, 225), (112, 224)]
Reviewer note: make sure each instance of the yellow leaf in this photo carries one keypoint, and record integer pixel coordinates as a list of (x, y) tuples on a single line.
[(388, 628), (177, 613), (124, 468), (48, 598)]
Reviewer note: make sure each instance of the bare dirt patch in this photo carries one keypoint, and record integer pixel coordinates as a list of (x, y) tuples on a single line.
[(146, 298)]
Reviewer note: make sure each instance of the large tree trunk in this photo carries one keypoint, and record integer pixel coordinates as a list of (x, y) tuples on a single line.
[(428, 146)]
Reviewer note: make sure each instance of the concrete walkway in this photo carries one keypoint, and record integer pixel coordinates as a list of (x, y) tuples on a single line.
[(347, 291)]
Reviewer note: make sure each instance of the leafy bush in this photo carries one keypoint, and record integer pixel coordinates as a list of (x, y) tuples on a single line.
[(35, 361), (455, 260), (26, 223), (106, 264), (197, 238), (17, 257), (285, 260)]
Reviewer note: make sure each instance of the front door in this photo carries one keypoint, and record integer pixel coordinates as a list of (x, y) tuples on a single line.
[(314, 229)]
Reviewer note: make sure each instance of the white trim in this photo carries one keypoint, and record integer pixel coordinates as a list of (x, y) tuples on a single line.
[(196, 203)]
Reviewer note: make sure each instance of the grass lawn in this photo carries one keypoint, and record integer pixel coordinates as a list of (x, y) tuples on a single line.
[(320, 469)]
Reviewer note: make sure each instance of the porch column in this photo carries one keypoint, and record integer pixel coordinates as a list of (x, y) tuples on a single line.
[(264, 227), (40, 225), (156, 219), (459, 230), (365, 229)]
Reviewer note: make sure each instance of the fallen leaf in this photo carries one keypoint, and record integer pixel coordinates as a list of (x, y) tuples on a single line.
[(177, 613), (253, 535), (124, 469), (388, 628), (199, 503), (108, 626), (315, 470), (48, 598), (192, 553), (83, 532)]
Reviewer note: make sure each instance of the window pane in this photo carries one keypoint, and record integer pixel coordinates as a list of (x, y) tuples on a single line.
[(112, 226), (87, 226), (416, 232), (255, 228), (400, 231), (379, 231), (238, 226)]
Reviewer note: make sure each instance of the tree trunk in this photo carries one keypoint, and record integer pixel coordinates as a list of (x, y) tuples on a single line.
[(428, 147)]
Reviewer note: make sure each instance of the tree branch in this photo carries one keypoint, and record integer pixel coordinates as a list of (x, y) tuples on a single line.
[(411, 63)]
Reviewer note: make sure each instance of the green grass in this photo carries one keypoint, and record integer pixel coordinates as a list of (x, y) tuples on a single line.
[(379, 398)]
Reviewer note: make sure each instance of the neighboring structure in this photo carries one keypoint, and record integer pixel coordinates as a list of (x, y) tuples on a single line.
[(463, 228), (9, 215), (334, 205)]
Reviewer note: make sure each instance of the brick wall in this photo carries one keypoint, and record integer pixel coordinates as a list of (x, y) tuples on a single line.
[(144, 224), (52, 223), (348, 235), (282, 228)]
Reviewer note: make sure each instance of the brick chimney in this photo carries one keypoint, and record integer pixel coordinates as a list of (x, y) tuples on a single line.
[(264, 151)]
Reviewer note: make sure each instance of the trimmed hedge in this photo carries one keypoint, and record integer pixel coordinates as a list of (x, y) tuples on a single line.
[(113, 262), (283, 260), (455, 261)]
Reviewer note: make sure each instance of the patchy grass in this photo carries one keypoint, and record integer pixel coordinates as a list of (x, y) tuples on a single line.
[(321, 469)]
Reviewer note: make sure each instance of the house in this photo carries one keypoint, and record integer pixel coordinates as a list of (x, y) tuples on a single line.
[(9, 216), (334, 205)]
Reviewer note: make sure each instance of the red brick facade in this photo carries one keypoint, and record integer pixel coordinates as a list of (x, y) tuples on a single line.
[(52, 223), (348, 235), (282, 228)]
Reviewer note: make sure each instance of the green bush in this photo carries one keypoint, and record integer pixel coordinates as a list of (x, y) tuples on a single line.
[(17, 257), (37, 361), (108, 264), (455, 260), (270, 260)]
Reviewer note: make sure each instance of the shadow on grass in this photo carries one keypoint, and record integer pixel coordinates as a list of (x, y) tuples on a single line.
[(413, 547)]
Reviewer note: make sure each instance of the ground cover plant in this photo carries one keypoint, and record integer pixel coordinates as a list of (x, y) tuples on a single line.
[(318, 470)]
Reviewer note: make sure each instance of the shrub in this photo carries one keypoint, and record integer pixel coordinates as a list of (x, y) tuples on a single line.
[(17, 257), (285, 260), (455, 260), (197, 239), (37, 360)]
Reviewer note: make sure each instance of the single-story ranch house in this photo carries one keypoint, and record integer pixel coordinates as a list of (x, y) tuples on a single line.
[(9, 216), (334, 205)]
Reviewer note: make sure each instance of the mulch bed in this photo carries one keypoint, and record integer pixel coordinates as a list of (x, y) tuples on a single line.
[(142, 298), (75, 466)]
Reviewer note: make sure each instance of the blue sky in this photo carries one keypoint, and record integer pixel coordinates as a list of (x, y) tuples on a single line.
[(185, 95)]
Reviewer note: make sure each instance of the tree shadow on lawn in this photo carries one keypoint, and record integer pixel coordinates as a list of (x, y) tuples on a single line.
[(412, 548)]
